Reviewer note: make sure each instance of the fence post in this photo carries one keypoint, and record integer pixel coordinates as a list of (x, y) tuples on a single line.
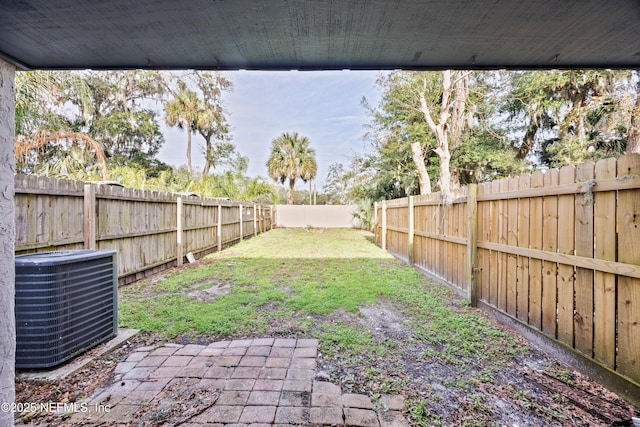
[(271, 217), (255, 221), (472, 241), (410, 254), (219, 228), (241, 222), (384, 225), (179, 232), (89, 216)]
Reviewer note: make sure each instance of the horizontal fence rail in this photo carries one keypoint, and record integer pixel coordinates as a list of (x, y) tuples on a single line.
[(150, 230), (557, 251)]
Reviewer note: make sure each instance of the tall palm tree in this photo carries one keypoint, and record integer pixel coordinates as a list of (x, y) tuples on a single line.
[(291, 158), (184, 111)]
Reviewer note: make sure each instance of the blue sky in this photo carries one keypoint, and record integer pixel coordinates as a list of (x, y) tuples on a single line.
[(324, 106)]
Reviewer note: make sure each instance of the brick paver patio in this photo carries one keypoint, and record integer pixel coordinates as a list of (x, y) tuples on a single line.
[(249, 382)]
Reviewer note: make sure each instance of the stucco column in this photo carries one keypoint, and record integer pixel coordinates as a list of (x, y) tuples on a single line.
[(7, 240)]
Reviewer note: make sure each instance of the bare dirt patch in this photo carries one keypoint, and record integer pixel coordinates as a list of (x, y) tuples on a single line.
[(208, 294)]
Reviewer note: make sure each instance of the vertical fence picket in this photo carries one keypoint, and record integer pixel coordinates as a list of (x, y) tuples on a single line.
[(604, 298), (550, 244), (535, 242), (512, 240), (628, 218), (566, 245), (583, 318), (522, 292)]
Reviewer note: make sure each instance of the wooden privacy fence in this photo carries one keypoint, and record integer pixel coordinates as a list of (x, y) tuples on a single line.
[(150, 230), (556, 251)]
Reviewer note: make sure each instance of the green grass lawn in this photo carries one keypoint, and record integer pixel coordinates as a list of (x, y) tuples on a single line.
[(313, 283)]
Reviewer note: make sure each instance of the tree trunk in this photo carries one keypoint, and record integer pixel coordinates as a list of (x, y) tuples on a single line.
[(423, 176), (207, 155), (527, 140), (189, 151), (633, 139), (292, 184), (7, 242)]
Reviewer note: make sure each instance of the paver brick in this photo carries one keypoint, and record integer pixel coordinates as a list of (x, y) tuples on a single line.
[(305, 352), (211, 351), (219, 372), (264, 398), (258, 350), (139, 373), (193, 372), (139, 397), (300, 374), (278, 362), (281, 352), (284, 342), (137, 356), (326, 416), (240, 343), (201, 361), (163, 351), (268, 385), (262, 342), (190, 350), (326, 400), (253, 361), (234, 351), (233, 397), (165, 372), (258, 414), (146, 348), (156, 384), (295, 398), (351, 400), (292, 415), (153, 361), (226, 360), (360, 417), (240, 384), (296, 385), (246, 372), (220, 414), (219, 344), (124, 367), (273, 373), (177, 361), (326, 388)]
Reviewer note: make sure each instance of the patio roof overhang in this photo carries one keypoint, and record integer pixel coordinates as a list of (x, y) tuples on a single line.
[(329, 34)]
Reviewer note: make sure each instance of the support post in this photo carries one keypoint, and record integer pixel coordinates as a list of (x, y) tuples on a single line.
[(7, 242), (472, 242), (255, 221), (89, 216), (241, 222), (179, 226), (219, 228), (260, 224), (384, 225), (410, 250)]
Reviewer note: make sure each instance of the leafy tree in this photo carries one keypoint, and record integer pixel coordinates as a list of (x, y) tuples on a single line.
[(212, 124), (291, 158), (185, 111), (568, 116)]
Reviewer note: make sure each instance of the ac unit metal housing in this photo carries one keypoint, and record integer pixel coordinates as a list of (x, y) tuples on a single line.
[(66, 303)]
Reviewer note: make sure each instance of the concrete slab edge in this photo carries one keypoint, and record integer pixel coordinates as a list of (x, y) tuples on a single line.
[(78, 364)]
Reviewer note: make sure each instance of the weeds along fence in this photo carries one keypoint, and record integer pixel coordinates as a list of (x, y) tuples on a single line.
[(558, 252), (150, 230)]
